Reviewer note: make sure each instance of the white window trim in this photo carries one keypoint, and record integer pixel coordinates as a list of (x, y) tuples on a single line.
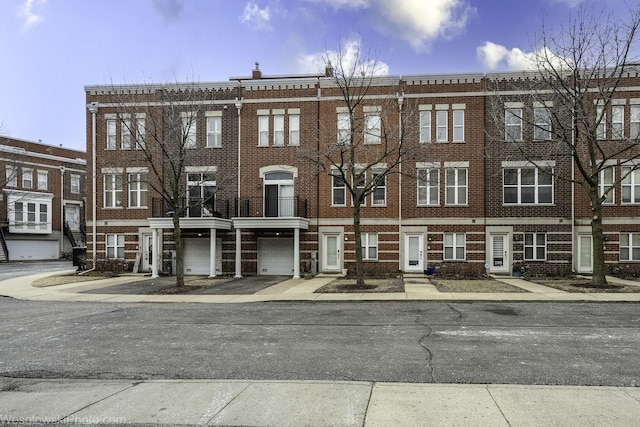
[(335, 175), (455, 186), (459, 126), (73, 186), (27, 172), (425, 126), (454, 246), (42, 185), (294, 126), (118, 243), (214, 134), (136, 187), (429, 188), (39, 199), (519, 185), (366, 245), (629, 247)]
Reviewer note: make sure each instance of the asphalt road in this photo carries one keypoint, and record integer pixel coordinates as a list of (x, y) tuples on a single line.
[(9, 270), (510, 343)]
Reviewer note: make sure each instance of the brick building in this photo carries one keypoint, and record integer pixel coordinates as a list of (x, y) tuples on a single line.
[(42, 206), (258, 201)]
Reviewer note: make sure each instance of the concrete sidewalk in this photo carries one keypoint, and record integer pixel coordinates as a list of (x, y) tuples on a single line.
[(417, 288), (312, 403)]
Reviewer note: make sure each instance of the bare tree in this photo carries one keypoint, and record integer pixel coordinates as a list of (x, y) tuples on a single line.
[(571, 103), (365, 147), (158, 124)]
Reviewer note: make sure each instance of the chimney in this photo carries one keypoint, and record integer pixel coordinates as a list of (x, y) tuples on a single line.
[(256, 74), (328, 69)]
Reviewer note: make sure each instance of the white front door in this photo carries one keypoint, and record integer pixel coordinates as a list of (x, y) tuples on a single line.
[(413, 249), (331, 253), (498, 253), (585, 254), (147, 252)]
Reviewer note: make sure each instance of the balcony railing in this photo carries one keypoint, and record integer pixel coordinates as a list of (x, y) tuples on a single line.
[(272, 207), (192, 208)]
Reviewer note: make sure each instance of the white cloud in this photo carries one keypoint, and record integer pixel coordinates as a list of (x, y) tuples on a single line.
[(26, 12), (349, 56), (494, 56), (259, 19)]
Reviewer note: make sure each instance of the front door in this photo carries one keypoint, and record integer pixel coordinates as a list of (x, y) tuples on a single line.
[(413, 249), (147, 252), (72, 213), (331, 253), (498, 253), (585, 254)]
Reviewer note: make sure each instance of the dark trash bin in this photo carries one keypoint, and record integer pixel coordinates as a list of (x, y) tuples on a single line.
[(79, 258)]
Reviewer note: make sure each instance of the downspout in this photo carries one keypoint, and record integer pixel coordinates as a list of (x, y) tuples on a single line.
[(238, 260), (62, 169), (400, 97), (93, 109)]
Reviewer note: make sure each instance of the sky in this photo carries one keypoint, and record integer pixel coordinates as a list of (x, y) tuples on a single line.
[(51, 49)]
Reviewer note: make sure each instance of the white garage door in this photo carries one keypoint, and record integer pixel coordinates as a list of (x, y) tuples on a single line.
[(196, 256), (275, 256), (33, 249)]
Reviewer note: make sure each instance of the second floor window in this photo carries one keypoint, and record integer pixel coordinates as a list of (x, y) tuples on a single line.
[(617, 122), (456, 186), (458, 125), (442, 126), (27, 178), (428, 187), (379, 196), (75, 184), (542, 125), (189, 130), (344, 129), (606, 184), (634, 122), (43, 180), (11, 176), (137, 190), (214, 132), (278, 129), (339, 190), (263, 131), (294, 129), (125, 134), (630, 185), (112, 190), (372, 129), (601, 128), (528, 186), (111, 134), (425, 126), (513, 124)]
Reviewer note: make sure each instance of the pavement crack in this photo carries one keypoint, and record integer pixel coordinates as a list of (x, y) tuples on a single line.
[(423, 343), (455, 310), (498, 406)]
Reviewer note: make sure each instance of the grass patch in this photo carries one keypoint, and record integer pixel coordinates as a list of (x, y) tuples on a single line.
[(63, 279), (348, 285), (582, 285), (485, 285)]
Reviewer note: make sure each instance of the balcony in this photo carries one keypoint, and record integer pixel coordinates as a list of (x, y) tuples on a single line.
[(192, 208), (272, 207)]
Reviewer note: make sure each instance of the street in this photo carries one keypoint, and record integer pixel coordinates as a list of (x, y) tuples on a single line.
[(422, 342)]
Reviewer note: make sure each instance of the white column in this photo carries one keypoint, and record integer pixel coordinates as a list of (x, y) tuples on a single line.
[(154, 253), (296, 253), (212, 256), (238, 253)]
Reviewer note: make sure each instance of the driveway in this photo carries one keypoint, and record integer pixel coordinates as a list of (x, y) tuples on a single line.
[(12, 269)]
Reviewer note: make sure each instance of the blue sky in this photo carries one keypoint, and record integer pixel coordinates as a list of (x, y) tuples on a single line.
[(51, 49)]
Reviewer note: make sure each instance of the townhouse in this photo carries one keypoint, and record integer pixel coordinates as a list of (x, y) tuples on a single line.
[(42, 206), (258, 199)]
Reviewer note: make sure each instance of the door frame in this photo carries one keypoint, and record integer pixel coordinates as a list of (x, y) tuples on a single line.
[(338, 233), (578, 267), (422, 256), (507, 233), (146, 252)]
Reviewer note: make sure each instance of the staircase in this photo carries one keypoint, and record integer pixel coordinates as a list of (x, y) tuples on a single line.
[(4, 253), (77, 238)]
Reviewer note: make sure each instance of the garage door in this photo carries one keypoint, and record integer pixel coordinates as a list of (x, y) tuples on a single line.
[(275, 256), (196, 256), (33, 249)]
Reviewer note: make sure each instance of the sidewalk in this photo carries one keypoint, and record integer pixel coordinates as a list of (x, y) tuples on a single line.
[(418, 288), (312, 403)]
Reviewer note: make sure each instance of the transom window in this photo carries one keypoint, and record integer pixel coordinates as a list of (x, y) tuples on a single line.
[(535, 246), (528, 186)]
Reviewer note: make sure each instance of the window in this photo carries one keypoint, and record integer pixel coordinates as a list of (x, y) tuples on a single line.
[(441, 126), (125, 134), (425, 126), (111, 134), (115, 246), (617, 122), (11, 176), (528, 186), (137, 190), (601, 128), (629, 246), (428, 187), (372, 128), (542, 125), (606, 184), (458, 125), (43, 180), (29, 214), (278, 194), (634, 122), (339, 190), (189, 130), (27, 178), (630, 187), (278, 129), (379, 197), (454, 246), (112, 190), (369, 246), (263, 131), (294, 129), (141, 134), (75, 184), (214, 132), (344, 129), (360, 181), (513, 124), (201, 188), (535, 246), (456, 186)]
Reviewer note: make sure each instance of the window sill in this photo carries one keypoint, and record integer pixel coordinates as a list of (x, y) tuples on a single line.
[(428, 206)]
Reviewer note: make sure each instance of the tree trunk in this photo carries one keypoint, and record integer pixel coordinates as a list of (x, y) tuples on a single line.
[(177, 238), (358, 243), (598, 277)]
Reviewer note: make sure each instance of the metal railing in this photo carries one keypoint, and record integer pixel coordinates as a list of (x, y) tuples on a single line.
[(271, 207), (191, 208)]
